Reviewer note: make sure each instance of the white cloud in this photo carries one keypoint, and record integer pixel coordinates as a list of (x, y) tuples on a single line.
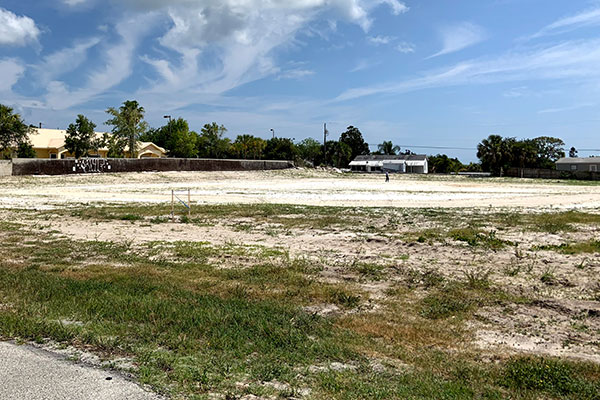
[(73, 3), (11, 70), (459, 37), (589, 17), (16, 30), (569, 108), (364, 63), (64, 61), (242, 35), (567, 60), (377, 40), (296, 74), (405, 47), (118, 65)]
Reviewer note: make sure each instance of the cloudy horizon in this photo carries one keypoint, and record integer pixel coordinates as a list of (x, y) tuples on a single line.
[(444, 75)]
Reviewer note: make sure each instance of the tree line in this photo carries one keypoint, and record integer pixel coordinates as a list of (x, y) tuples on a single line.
[(497, 153), (128, 128)]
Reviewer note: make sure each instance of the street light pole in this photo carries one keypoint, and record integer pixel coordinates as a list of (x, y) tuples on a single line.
[(169, 124), (273, 132)]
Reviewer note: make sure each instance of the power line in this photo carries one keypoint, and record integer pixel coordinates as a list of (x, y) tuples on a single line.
[(408, 146), (405, 146)]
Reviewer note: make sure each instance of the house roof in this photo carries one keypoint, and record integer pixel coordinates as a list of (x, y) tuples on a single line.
[(55, 139), (579, 160), (145, 145), (381, 157), (50, 138)]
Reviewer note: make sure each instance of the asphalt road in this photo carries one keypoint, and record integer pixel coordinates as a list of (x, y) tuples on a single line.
[(28, 373)]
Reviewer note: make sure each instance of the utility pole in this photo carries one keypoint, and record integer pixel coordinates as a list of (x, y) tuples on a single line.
[(325, 133)]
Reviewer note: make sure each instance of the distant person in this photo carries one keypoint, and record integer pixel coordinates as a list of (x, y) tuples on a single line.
[(387, 176)]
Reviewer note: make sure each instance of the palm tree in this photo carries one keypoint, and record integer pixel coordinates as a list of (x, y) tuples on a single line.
[(128, 124), (388, 148), (495, 153)]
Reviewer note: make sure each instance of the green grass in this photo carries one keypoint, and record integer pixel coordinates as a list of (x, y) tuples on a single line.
[(477, 238), (554, 377), (460, 298), (590, 246), (197, 318)]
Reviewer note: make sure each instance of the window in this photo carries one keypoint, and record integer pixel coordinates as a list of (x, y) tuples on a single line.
[(53, 155), (573, 167), (593, 168)]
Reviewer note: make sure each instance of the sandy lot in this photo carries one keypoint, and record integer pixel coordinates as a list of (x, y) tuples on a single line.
[(296, 187), (564, 319)]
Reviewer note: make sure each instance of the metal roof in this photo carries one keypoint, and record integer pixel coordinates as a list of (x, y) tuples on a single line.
[(381, 157), (579, 160)]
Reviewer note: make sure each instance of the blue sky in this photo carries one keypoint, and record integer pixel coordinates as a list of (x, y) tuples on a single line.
[(417, 72)]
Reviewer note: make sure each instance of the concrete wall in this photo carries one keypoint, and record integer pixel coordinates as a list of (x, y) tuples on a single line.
[(6, 168), (103, 165), (552, 174)]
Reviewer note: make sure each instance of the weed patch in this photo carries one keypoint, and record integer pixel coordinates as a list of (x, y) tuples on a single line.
[(557, 378)]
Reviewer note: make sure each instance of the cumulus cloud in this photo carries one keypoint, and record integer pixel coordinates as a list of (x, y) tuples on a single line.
[(405, 47), (459, 37), (16, 30), (11, 70)]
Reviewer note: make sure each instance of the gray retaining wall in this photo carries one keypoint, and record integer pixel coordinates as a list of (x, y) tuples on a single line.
[(552, 174), (5, 167), (101, 165)]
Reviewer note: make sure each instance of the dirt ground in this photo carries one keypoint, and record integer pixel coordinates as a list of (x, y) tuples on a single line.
[(296, 187), (564, 319)]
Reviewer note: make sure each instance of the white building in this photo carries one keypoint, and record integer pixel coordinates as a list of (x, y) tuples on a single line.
[(416, 164)]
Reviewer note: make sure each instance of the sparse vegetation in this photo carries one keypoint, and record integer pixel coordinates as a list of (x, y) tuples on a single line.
[(310, 302)]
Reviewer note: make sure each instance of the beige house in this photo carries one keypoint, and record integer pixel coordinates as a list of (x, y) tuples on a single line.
[(50, 143)]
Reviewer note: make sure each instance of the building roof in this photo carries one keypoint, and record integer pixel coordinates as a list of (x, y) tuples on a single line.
[(55, 139), (381, 157), (51, 138), (579, 160)]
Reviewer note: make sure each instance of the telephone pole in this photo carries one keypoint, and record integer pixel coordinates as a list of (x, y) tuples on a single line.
[(325, 133)]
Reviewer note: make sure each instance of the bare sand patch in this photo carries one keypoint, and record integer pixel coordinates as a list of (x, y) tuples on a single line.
[(295, 187)]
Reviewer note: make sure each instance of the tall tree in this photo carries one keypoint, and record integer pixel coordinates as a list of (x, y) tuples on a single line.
[(442, 164), (175, 137), (211, 143), (388, 148), (13, 131), (338, 154), (248, 147), (280, 149), (128, 124), (79, 137), (524, 154), (354, 139), (310, 150), (495, 154), (549, 150)]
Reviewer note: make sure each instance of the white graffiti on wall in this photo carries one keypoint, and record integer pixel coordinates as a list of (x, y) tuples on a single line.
[(91, 165)]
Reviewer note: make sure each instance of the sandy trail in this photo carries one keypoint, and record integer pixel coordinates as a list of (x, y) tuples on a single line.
[(295, 187)]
